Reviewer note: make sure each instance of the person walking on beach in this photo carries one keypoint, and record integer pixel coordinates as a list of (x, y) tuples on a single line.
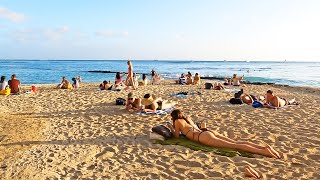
[(14, 84), (185, 126), (3, 83), (129, 80)]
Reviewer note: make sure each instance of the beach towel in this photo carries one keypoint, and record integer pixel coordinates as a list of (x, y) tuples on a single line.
[(232, 90), (197, 146), (185, 94), (159, 112)]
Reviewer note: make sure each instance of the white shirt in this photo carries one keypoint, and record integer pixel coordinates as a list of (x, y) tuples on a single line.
[(3, 85)]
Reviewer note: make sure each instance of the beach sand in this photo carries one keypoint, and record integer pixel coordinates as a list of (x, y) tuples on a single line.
[(77, 134)]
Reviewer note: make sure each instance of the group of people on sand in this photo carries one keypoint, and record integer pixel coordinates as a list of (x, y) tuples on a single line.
[(269, 100), (10, 87), (187, 79), (65, 84), (132, 80)]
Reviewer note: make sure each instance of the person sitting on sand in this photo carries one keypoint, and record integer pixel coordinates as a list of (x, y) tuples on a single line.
[(3, 83), (136, 79), (182, 80), (227, 82), (151, 103), (189, 79), (273, 101), (118, 80), (133, 103), (236, 80), (14, 84), (217, 86), (64, 84), (105, 85), (75, 83), (196, 79), (144, 80), (185, 126)]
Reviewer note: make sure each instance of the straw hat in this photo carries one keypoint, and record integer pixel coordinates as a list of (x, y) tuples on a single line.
[(148, 99)]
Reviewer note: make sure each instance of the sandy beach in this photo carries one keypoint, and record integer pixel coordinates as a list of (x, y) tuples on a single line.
[(82, 134)]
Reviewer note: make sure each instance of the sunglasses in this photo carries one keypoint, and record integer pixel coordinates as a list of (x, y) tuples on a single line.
[(130, 98)]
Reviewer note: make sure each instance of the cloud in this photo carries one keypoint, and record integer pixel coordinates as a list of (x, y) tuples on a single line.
[(11, 15), (56, 34), (48, 34), (24, 35), (110, 34)]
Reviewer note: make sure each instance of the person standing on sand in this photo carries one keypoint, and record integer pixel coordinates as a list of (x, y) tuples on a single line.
[(129, 80), (14, 84)]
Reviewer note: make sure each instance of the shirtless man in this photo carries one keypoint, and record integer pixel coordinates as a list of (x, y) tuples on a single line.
[(236, 80), (273, 101)]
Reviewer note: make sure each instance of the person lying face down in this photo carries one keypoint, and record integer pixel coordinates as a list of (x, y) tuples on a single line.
[(105, 85), (273, 101), (185, 126), (133, 103), (152, 104)]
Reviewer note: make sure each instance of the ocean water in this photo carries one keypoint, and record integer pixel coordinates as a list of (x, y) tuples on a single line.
[(31, 72)]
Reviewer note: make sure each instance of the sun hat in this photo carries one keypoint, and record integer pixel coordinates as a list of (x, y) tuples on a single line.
[(148, 99)]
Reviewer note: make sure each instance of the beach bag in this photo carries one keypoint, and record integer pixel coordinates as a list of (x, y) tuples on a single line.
[(163, 131), (120, 101), (257, 104), (208, 86), (235, 101)]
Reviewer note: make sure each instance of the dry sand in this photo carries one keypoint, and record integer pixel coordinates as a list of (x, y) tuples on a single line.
[(77, 134)]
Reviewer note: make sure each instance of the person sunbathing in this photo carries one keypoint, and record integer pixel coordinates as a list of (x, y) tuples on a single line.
[(133, 103), (151, 103), (273, 101), (217, 86), (105, 85), (187, 127)]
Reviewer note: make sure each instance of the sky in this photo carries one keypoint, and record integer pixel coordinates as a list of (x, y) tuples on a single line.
[(274, 30)]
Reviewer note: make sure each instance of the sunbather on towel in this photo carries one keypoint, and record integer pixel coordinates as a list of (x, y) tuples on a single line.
[(133, 103), (152, 104), (211, 138), (273, 101)]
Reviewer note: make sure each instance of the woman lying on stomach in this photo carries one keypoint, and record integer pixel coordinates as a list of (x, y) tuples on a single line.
[(211, 138)]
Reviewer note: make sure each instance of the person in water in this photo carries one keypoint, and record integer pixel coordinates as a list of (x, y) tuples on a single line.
[(273, 101), (187, 127)]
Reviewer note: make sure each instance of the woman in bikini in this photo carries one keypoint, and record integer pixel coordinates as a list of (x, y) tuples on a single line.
[(129, 80), (211, 138)]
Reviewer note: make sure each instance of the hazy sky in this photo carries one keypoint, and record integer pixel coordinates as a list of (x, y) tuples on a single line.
[(161, 29)]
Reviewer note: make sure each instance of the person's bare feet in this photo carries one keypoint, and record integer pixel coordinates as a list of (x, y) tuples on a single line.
[(277, 154), (249, 171)]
